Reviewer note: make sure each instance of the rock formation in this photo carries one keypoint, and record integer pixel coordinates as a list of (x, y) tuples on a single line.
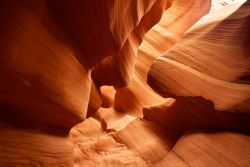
[(125, 83)]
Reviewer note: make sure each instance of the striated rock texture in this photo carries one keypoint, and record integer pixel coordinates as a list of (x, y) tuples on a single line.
[(32, 148), (117, 69), (135, 83), (212, 55)]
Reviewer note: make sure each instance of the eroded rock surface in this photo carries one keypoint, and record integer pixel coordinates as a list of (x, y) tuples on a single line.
[(74, 83)]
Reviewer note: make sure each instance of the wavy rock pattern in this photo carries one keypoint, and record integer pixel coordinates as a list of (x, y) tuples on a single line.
[(74, 83), (212, 55)]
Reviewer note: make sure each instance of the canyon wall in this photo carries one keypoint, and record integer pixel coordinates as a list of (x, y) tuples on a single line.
[(124, 83)]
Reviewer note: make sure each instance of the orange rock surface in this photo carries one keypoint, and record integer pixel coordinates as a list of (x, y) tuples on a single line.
[(138, 83)]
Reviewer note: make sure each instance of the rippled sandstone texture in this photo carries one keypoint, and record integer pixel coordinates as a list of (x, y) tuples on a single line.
[(77, 83)]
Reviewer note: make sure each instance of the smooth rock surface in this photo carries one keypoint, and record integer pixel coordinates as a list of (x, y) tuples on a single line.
[(74, 83)]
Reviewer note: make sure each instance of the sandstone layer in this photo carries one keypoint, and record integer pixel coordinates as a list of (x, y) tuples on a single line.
[(138, 83)]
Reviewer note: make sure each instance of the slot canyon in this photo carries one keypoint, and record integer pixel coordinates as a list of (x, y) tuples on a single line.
[(115, 83)]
